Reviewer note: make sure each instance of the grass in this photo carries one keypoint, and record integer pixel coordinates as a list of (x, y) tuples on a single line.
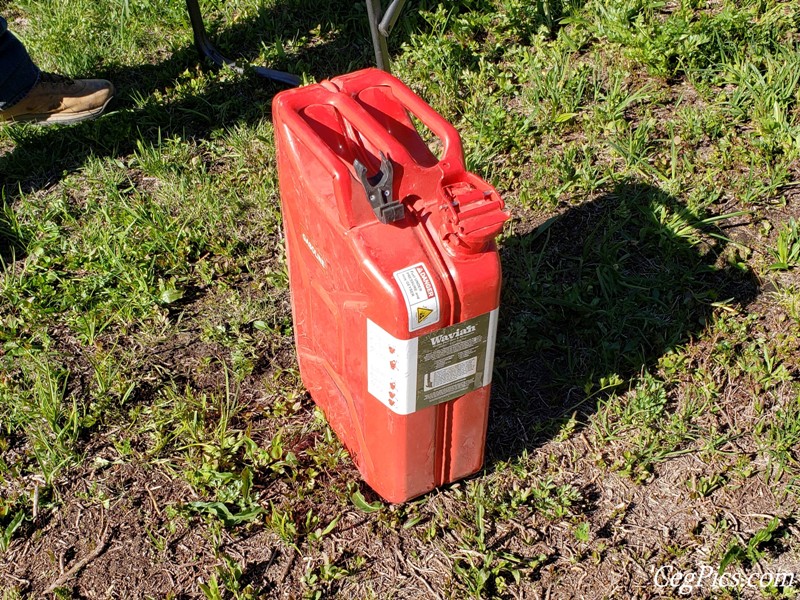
[(646, 405)]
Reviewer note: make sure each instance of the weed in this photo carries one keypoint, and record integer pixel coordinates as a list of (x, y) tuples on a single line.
[(361, 503), (704, 486), (581, 532), (787, 247), (8, 530), (752, 551), (552, 500), (778, 436), (228, 578), (320, 582)]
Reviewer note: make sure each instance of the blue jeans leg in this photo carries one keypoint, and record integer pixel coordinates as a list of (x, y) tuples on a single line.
[(18, 74)]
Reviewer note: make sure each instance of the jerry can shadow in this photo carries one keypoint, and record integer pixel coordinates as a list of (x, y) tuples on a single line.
[(394, 276)]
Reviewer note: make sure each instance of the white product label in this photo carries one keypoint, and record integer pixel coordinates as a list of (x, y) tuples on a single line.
[(409, 375), (391, 369), (419, 292)]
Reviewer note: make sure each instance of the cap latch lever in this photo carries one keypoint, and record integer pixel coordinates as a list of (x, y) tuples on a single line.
[(379, 191)]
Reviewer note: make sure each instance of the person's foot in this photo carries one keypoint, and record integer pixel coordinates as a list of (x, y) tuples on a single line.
[(56, 99)]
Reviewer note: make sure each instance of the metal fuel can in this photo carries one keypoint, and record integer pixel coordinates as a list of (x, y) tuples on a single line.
[(394, 277)]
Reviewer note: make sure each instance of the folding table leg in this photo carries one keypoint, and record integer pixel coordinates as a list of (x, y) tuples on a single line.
[(381, 25), (207, 49), (375, 14), (390, 17)]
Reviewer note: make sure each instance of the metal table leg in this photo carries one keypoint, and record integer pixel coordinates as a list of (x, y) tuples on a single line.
[(381, 24), (207, 49)]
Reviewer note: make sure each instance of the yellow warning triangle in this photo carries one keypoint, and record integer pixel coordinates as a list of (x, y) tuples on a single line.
[(423, 313)]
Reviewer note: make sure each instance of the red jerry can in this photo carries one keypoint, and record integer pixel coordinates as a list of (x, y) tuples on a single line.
[(394, 276)]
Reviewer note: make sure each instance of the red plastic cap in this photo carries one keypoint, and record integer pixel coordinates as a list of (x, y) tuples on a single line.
[(472, 217)]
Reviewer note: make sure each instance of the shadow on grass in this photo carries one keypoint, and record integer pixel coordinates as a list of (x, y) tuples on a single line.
[(12, 239), (599, 294)]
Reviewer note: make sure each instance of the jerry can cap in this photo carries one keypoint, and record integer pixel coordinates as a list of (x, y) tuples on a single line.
[(471, 217)]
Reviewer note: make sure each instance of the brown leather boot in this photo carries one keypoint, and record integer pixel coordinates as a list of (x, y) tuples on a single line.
[(56, 99)]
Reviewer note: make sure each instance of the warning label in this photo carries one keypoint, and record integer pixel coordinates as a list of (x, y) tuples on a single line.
[(420, 295), (409, 375), (423, 313)]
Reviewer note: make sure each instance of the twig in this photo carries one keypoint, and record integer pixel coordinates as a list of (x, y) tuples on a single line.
[(153, 500), (271, 560), (35, 502), (74, 569), (24, 582), (288, 566)]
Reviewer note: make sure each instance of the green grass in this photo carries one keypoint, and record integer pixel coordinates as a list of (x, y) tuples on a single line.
[(646, 405)]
